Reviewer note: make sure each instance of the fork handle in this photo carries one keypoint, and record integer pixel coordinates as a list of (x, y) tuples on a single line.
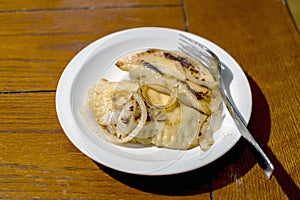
[(261, 157)]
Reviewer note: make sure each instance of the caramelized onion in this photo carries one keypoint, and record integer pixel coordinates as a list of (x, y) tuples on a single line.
[(153, 92), (151, 74), (109, 133)]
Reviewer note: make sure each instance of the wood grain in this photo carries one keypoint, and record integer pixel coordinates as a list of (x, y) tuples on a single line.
[(38, 160), (39, 46), (33, 5), (28, 113), (48, 166), (65, 22), (39, 38), (267, 46)]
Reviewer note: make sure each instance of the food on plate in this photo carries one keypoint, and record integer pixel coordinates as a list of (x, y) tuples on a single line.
[(171, 100)]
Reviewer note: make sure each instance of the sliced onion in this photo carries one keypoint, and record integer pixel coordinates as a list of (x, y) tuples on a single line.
[(126, 120), (139, 126), (110, 117), (109, 133), (159, 89), (182, 90)]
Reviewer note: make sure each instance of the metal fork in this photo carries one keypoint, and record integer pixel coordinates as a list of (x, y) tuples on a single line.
[(212, 62)]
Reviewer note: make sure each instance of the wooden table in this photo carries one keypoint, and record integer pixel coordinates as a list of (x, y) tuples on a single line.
[(38, 39)]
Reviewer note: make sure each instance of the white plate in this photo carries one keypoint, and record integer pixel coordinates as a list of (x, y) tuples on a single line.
[(97, 60)]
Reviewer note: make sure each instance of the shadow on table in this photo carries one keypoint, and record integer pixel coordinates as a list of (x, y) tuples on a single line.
[(259, 126), (224, 171)]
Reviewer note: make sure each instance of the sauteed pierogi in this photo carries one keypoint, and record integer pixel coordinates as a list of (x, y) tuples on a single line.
[(171, 100)]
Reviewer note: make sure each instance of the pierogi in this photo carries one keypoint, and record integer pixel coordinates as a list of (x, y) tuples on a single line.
[(169, 102)]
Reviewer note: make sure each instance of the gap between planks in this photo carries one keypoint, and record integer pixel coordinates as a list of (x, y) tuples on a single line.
[(27, 91), (92, 8)]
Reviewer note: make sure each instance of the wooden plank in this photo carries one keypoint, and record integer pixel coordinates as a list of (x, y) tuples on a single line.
[(48, 165), (36, 62), (28, 113), (38, 161), (38, 38), (261, 36), (88, 21), (79, 4), (35, 46), (52, 168)]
